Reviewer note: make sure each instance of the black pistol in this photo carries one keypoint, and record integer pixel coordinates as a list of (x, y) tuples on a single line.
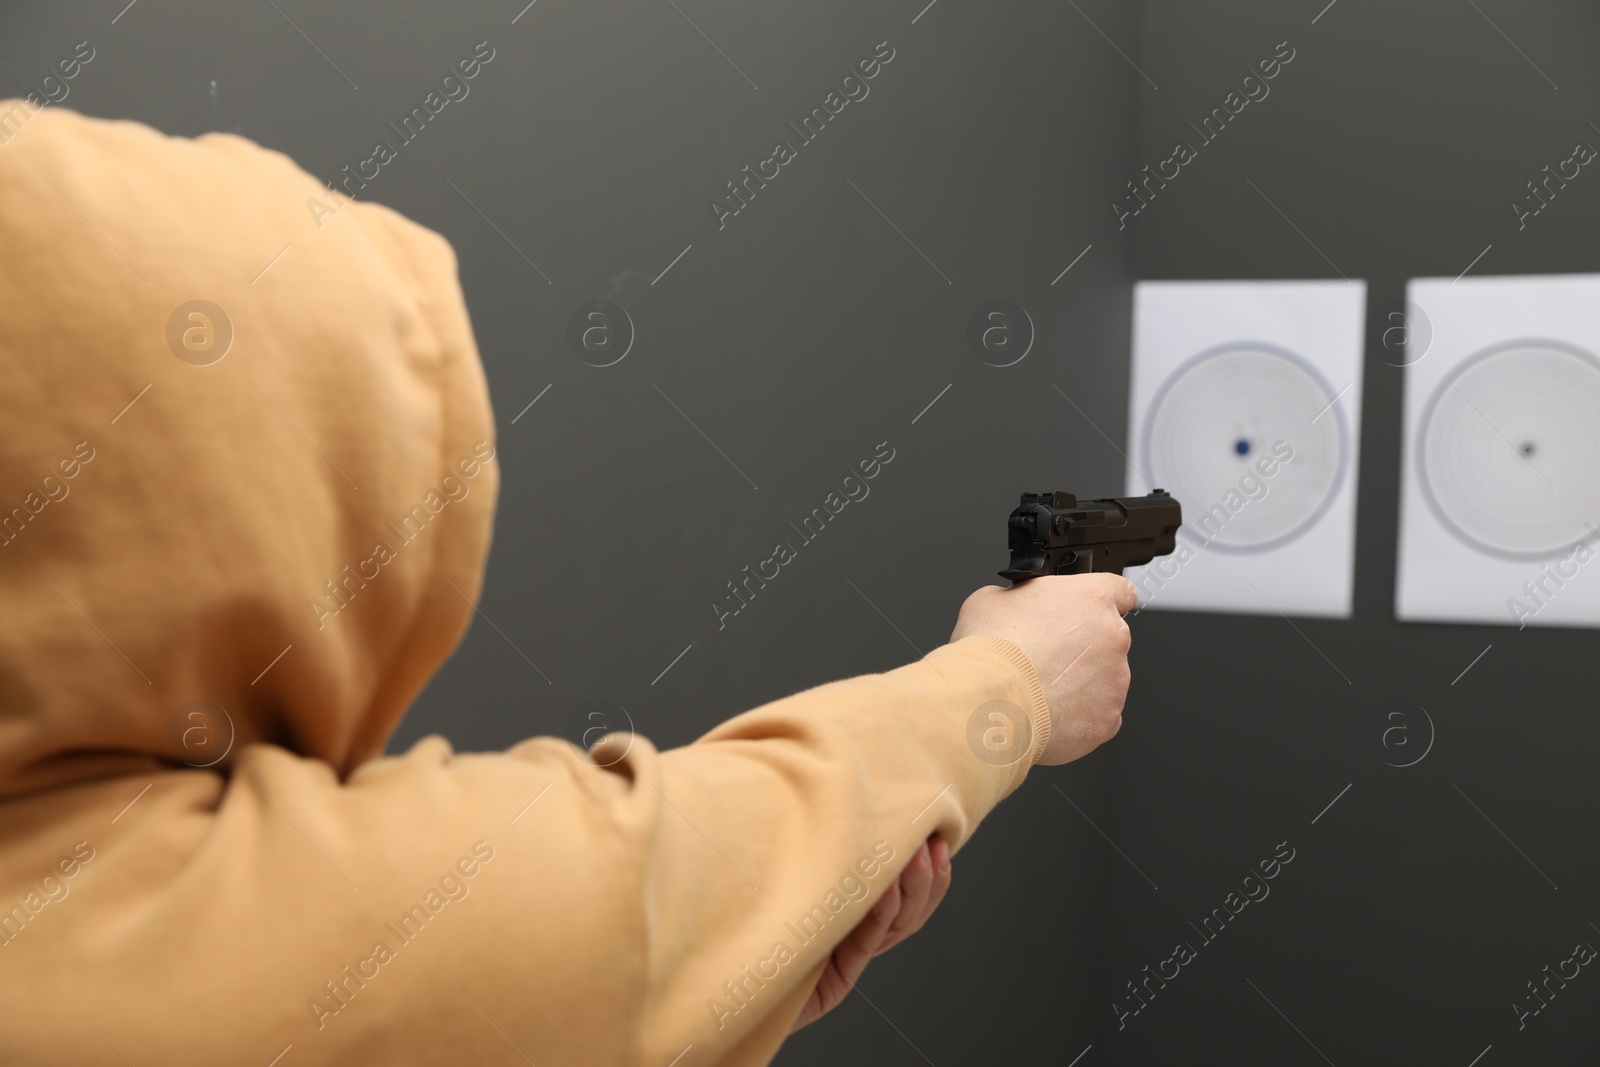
[(1056, 533)]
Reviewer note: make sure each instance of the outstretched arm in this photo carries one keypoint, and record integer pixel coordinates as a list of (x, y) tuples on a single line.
[(616, 906)]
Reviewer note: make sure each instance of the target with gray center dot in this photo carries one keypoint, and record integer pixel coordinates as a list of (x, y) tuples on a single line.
[(1223, 412), (1508, 446)]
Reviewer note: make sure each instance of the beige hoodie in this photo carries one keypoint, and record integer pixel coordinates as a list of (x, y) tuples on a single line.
[(233, 546)]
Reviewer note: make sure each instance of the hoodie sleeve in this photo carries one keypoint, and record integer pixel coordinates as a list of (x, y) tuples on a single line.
[(765, 843), (616, 906)]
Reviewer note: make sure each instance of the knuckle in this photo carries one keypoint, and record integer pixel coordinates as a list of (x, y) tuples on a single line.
[(1110, 625)]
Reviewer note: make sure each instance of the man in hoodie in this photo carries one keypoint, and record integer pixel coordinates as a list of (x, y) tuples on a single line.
[(204, 857)]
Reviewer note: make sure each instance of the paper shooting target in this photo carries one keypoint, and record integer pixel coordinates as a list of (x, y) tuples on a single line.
[(1218, 415), (1508, 450)]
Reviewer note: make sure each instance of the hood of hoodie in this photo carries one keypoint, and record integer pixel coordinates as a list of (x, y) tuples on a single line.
[(247, 471)]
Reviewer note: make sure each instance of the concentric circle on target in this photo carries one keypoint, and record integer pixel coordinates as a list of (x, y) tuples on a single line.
[(1507, 449), (1000, 733), (1226, 413)]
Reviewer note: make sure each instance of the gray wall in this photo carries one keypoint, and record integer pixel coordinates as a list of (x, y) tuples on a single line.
[(1407, 925), (797, 338)]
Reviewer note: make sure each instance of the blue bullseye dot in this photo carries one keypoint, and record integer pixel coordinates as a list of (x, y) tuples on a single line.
[(1242, 447)]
